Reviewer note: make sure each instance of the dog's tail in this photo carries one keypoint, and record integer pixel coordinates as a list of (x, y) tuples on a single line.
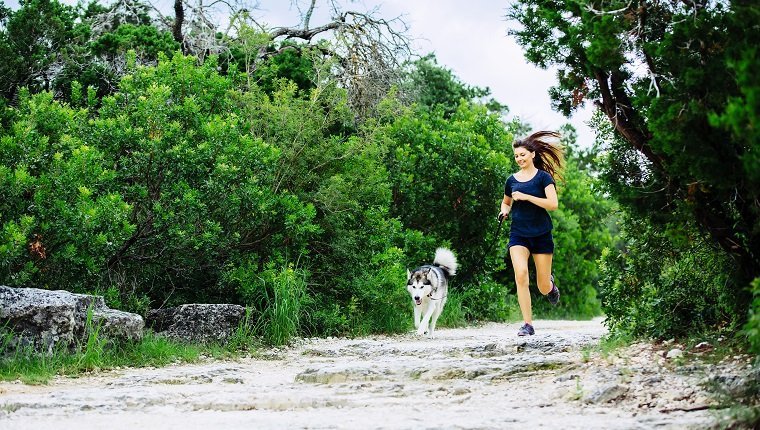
[(446, 260)]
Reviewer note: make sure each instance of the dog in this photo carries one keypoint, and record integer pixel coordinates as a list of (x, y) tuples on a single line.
[(429, 287)]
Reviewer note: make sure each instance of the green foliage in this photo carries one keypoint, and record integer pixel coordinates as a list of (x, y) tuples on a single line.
[(275, 298), (581, 233), (46, 46), (183, 187), (32, 39), (99, 63), (146, 40), (489, 300), (281, 317), (380, 299), (57, 191), (443, 172), (435, 87), (664, 283), (679, 94), (751, 330), (292, 62), (455, 314)]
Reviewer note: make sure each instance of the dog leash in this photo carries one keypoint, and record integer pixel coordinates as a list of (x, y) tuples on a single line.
[(496, 236), (494, 241)]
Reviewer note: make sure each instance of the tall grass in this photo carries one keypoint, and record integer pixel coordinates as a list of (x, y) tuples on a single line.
[(94, 348), (453, 314), (244, 337), (280, 321)]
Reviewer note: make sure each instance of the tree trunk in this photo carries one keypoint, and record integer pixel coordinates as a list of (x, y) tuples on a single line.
[(179, 19)]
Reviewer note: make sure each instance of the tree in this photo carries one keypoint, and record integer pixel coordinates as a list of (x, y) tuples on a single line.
[(33, 43), (367, 50), (48, 46), (664, 73), (433, 86)]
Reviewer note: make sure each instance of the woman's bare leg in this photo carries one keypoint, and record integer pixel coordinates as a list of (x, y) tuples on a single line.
[(543, 264), (519, 256)]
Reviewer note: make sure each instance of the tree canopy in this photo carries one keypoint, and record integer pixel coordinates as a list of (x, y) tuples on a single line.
[(673, 79)]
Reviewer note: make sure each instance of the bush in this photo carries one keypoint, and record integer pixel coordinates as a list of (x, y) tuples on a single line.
[(665, 283), (751, 330)]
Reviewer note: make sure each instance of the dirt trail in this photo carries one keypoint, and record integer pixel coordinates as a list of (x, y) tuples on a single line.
[(472, 378)]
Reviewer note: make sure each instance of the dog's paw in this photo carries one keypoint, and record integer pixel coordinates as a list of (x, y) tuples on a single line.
[(421, 331)]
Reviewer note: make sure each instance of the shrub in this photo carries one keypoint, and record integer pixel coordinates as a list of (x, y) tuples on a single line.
[(751, 329), (665, 283)]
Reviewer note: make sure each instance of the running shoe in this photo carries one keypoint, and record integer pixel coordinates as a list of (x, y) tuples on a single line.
[(526, 330), (553, 295)]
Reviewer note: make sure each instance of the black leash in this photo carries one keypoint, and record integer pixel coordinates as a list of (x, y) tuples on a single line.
[(495, 237), (493, 242)]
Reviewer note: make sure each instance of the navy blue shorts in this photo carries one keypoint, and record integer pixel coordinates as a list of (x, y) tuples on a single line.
[(543, 244)]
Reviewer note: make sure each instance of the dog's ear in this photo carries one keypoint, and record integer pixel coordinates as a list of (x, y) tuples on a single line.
[(408, 274)]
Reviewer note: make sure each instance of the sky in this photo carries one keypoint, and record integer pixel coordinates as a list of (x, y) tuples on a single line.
[(469, 37)]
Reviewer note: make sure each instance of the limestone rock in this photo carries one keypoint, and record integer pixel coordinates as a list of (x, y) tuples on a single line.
[(197, 322), (44, 319), (606, 393)]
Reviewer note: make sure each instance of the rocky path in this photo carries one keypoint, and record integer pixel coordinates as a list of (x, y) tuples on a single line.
[(473, 378)]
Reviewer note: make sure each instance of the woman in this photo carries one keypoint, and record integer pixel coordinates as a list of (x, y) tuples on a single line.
[(528, 195)]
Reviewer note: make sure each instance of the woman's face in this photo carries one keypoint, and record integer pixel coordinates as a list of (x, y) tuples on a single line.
[(523, 157)]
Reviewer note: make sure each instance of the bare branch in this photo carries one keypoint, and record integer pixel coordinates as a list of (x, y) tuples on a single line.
[(309, 12), (608, 12), (369, 50)]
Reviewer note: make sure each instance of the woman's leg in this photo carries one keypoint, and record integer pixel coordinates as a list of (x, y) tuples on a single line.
[(543, 272), (519, 255)]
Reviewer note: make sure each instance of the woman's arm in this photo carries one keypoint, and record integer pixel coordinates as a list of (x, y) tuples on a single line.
[(506, 206), (549, 203)]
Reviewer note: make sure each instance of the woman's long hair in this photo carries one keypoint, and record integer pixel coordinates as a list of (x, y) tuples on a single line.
[(550, 155)]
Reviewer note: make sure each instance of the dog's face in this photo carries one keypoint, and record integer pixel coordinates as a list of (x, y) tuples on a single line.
[(419, 284)]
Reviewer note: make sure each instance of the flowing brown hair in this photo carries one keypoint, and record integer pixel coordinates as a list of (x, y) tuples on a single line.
[(550, 154)]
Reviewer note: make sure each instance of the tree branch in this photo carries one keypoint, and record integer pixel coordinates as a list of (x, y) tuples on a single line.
[(617, 106)]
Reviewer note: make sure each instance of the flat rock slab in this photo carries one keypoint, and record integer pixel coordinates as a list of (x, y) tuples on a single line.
[(471, 378)]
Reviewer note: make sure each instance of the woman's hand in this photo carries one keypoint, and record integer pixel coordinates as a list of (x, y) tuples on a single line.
[(516, 195)]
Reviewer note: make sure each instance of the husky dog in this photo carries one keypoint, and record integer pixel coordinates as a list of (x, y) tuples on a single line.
[(429, 286)]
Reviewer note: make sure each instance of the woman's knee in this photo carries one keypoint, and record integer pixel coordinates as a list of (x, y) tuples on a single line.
[(521, 276)]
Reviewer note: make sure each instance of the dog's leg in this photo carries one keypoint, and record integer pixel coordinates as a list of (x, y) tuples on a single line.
[(423, 328), (417, 315), (436, 314)]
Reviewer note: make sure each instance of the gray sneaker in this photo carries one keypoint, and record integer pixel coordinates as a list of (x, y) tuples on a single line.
[(553, 295), (526, 330)]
